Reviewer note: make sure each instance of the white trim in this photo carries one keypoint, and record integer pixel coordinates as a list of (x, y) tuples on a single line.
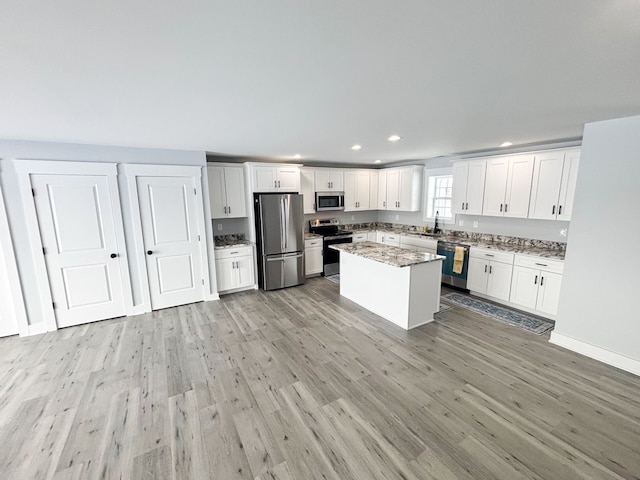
[(13, 307), (37, 329), (434, 172), (211, 291), (150, 170), (605, 356), (24, 169)]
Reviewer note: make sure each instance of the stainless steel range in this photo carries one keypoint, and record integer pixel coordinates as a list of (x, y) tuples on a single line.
[(332, 234)]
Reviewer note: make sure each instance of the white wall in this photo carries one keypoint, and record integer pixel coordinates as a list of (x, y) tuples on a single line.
[(10, 150), (602, 268)]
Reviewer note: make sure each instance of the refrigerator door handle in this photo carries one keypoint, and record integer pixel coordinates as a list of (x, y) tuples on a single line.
[(285, 201), (283, 232)]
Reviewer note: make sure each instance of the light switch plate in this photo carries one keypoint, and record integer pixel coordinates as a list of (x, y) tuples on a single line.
[(219, 226), (475, 224), (461, 223)]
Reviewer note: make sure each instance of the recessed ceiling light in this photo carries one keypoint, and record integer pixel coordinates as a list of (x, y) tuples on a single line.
[(394, 138), (506, 144), (378, 161), (356, 147), (297, 156)]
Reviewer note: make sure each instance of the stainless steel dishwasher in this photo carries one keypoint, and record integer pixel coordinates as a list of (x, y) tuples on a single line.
[(448, 249)]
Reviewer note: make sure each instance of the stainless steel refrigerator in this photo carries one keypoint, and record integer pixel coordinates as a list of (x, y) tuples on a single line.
[(280, 240)]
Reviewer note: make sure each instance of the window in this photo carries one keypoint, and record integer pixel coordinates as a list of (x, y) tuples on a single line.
[(439, 189)]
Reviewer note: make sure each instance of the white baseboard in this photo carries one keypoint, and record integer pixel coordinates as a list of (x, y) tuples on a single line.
[(37, 329), (597, 353)]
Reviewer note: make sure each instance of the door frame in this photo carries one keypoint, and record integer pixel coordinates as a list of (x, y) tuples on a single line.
[(131, 172), (24, 170), (14, 307)]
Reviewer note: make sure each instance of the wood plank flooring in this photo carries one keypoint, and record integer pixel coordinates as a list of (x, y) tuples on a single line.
[(303, 384)]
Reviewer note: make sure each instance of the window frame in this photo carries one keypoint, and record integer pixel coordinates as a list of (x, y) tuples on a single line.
[(436, 172)]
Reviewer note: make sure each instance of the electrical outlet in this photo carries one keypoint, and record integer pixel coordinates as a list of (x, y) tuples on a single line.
[(475, 224), (563, 232), (461, 223), (219, 226)]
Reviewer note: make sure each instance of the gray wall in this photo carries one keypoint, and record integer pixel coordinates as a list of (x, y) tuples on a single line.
[(24, 150), (601, 279)]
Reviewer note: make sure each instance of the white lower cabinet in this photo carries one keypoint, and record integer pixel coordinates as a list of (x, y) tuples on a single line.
[(235, 268), (392, 239), (371, 236), (360, 237), (428, 245), (313, 256), (490, 272), (536, 283)]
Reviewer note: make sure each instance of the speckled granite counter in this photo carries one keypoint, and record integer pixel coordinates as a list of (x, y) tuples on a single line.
[(230, 241), (309, 235), (394, 256)]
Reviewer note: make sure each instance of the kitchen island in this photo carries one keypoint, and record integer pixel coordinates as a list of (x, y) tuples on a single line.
[(398, 284)]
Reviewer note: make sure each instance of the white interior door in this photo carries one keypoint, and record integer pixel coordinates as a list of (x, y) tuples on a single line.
[(78, 231), (171, 240)]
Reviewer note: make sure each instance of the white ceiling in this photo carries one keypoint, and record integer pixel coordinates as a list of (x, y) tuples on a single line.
[(279, 77)]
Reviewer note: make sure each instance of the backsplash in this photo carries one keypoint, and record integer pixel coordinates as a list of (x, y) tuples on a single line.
[(478, 237)]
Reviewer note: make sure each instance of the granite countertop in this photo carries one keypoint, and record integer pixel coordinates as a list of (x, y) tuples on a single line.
[(395, 256), (309, 235), (232, 243)]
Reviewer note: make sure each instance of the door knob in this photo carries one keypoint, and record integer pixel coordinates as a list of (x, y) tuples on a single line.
[(113, 255), (149, 252)]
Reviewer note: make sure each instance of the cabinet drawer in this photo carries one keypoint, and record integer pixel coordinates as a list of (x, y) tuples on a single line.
[(540, 263), (234, 252), (360, 237), (313, 242), (492, 255)]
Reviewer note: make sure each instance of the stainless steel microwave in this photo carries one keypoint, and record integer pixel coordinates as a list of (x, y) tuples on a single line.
[(328, 201)]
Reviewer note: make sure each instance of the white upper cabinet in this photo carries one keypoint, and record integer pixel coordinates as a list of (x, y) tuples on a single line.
[(373, 189), (356, 190), (275, 178), (307, 189), (468, 186), (554, 182), (226, 191), (382, 190), (507, 187), (404, 185), (329, 180)]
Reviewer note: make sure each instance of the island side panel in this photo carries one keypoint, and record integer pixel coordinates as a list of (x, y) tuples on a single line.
[(378, 287), (424, 292)]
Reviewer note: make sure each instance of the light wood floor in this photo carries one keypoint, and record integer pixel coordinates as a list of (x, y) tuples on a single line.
[(302, 384)]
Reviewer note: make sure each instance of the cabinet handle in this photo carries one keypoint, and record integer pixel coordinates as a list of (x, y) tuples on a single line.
[(485, 269), (488, 255), (275, 184), (462, 205), (542, 264), (466, 206), (384, 204), (500, 207), (229, 210), (535, 280), (490, 268), (279, 184), (560, 210), (553, 210), (541, 281), (505, 208), (225, 210)]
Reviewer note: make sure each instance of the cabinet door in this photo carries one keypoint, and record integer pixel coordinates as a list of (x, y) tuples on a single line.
[(313, 261), (307, 190), (362, 189), (373, 190), (323, 180), (244, 271), (499, 281), (393, 189), (495, 186), (217, 195), (549, 292), (475, 187), (226, 274), (379, 237), (360, 237), (459, 194), (547, 174), (392, 239), (568, 184), (477, 275), (372, 236), (234, 188), (350, 201), (382, 190), (264, 179), (519, 186), (289, 179), (407, 193), (336, 179), (524, 286)]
